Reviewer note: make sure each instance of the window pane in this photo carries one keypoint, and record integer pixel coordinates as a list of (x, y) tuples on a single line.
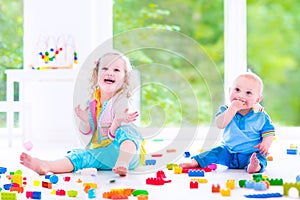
[(198, 21), (273, 52)]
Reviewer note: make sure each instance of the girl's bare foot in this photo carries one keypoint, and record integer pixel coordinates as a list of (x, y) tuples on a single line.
[(192, 164), (121, 170), (254, 165), (35, 164)]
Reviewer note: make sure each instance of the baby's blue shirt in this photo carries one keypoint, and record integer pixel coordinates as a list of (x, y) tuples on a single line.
[(245, 132)]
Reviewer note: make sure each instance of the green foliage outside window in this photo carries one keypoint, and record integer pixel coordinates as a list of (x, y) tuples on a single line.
[(272, 51)]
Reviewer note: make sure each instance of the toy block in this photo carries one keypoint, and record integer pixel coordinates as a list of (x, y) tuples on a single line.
[(157, 155), (46, 185), (60, 192), (7, 186), (257, 177), (140, 192), (249, 184), (160, 174), (119, 196), (187, 154), (17, 189), (91, 193), (171, 150), (36, 195), (196, 173), (298, 178), (72, 193), (154, 181), (275, 181), (67, 178), (270, 158), (292, 151), (288, 186), (230, 184), (212, 166), (142, 197), (150, 162), (177, 170), (36, 183), (53, 179), (242, 183), (215, 188), (171, 166), (92, 185), (200, 180), (3, 170), (8, 196), (261, 186), (266, 195), (194, 184), (225, 192), (206, 169)]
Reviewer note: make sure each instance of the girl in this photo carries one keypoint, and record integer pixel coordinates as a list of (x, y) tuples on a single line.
[(115, 143)]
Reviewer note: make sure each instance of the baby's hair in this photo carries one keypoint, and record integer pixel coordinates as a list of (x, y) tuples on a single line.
[(254, 77), (117, 55)]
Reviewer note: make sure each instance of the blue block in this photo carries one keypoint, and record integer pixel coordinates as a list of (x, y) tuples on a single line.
[(187, 154), (150, 162), (291, 151), (260, 186), (193, 172), (3, 170), (36, 195), (263, 196), (249, 184)]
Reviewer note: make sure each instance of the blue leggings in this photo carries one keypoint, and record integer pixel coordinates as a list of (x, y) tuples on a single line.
[(221, 155), (104, 158)]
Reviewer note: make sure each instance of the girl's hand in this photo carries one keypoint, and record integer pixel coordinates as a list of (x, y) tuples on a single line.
[(82, 114), (126, 117)]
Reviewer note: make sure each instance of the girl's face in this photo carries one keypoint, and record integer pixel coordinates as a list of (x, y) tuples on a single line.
[(111, 74), (247, 90)]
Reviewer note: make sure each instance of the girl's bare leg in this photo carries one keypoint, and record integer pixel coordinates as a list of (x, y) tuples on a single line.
[(127, 150), (42, 167)]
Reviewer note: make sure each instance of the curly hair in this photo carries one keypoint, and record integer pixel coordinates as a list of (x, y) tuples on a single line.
[(117, 55)]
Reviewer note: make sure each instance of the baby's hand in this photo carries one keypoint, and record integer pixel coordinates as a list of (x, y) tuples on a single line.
[(82, 114), (238, 104), (265, 145)]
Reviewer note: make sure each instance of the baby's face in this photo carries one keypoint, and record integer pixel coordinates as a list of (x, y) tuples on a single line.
[(111, 74), (247, 90)]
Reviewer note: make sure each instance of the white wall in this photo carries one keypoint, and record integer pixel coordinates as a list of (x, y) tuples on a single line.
[(89, 22)]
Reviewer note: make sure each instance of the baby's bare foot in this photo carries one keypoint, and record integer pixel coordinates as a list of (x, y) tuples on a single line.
[(35, 164), (121, 170), (254, 165)]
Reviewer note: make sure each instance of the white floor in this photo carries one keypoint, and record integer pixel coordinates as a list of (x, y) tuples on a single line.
[(283, 166)]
